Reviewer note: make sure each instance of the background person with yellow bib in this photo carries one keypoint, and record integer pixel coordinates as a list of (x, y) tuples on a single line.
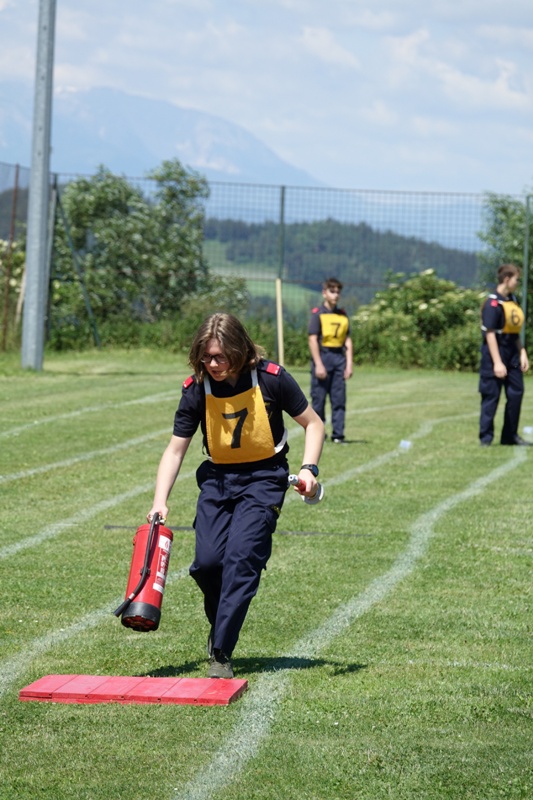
[(503, 359), (331, 350), (237, 398)]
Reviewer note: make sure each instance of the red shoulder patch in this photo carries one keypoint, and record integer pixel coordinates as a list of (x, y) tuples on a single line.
[(274, 369), (494, 303), (315, 310), (187, 382)]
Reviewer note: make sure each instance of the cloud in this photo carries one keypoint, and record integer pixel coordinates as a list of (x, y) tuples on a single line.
[(321, 43), (371, 20), (335, 87), (378, 113), (429, 127), (508, 36), (472, 91), (497, 84)]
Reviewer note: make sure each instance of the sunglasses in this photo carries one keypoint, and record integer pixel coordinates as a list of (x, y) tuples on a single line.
[(219, 360)]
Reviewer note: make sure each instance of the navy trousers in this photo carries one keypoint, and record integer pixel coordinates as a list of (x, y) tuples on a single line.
[(490, 389), (333, 385), (236, 515)]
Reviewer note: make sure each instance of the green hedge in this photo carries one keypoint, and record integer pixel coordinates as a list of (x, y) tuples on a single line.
[(418, 321)]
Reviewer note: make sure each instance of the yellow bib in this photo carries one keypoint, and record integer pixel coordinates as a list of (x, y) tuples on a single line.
[(334, 329), (238, 430), (514, 317)]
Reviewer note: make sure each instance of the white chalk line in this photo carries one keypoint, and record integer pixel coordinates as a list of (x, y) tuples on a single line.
[(258, 709), (107, 451), (87, 456), (152, 398), (264, 694), (477, 665), (424, 430), (156, 398), (11, 668), (55, 528)]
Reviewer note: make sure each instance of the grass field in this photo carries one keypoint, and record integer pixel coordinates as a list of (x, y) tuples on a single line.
[(388, 652)]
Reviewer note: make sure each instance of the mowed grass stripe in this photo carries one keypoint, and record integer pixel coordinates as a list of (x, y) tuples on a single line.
[(259, 708), (88, 456), (12, 668), (427, 688), (80, 412), (82, 516)]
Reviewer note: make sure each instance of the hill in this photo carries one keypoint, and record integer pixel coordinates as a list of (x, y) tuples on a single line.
[(130, 135)]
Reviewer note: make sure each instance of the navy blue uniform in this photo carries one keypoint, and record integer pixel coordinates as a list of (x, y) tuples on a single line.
[(332, 329), (494, 318), (239, 502)]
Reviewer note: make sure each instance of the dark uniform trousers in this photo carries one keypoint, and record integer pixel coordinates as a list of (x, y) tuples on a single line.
[(490, 389), (236, 515), (334, 361)]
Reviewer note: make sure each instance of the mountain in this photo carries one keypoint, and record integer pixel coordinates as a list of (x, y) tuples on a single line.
[(131, 135)]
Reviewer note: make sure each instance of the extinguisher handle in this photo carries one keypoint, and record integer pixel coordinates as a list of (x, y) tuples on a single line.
[(300, 485), (156, 519)]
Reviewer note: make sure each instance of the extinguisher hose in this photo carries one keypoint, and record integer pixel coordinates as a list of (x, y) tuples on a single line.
[(145, 572)]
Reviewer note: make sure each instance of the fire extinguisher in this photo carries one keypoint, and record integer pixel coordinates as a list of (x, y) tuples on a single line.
[(141, 610)]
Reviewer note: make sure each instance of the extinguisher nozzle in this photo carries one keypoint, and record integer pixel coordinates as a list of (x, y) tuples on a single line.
[(122, 607)]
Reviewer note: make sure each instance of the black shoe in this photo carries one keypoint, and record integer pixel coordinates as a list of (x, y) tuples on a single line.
[(519, 441), (339, 440), (485, 443), (220, 666)]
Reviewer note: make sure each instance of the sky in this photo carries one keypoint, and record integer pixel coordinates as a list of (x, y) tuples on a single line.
[(404, 95)]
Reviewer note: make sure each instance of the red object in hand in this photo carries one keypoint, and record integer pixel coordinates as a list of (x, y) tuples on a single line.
[(300, 486)]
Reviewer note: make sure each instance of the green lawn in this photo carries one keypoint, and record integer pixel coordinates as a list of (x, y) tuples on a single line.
[(388, 652)]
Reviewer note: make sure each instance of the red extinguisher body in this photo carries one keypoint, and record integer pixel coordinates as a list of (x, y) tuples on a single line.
[(148, 572)]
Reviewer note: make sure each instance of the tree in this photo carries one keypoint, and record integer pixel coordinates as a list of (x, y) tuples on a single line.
[(505, 220), (505, 237), (137, 256)]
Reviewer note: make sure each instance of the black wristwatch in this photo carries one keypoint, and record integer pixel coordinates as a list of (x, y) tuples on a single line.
[(312, 468)]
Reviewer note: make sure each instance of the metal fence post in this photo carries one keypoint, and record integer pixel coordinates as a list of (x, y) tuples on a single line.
[(279, 303), (525, 267), (9, 256)]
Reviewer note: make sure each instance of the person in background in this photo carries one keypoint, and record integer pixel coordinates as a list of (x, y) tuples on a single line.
[(503, 359), (238, 399), (331, 349)]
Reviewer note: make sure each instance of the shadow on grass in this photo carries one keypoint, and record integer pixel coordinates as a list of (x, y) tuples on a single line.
[(246, 666)]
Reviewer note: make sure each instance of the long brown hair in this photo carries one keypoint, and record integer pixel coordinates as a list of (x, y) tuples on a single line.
[(507, 271), (234, 340)]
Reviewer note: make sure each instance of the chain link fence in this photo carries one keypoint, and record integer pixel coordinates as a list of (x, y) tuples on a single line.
[(295, 237), (304, 235)]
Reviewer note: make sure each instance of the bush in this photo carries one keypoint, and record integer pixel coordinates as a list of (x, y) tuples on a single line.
[(420, 321), (457, 349)]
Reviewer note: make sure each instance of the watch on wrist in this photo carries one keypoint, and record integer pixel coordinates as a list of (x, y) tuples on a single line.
[(312, 468)]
